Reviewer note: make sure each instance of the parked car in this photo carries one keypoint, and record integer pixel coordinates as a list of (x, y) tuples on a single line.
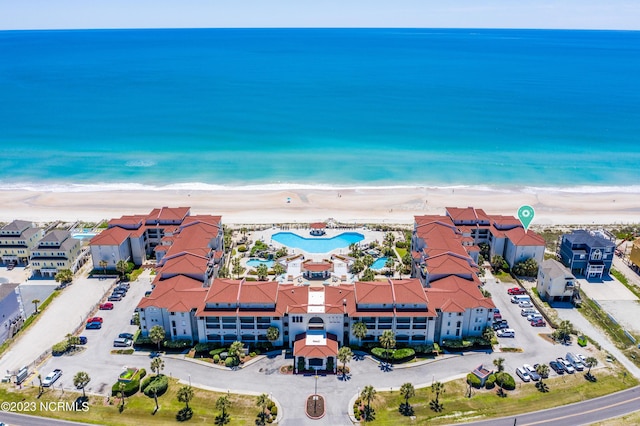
[(516, 290), (535, 367), (106, 306), (51, 377), (83, 340), (575, 361), (520, 298), (533, 317), (93, 325), (500, 325), (528, 311), (126, 336), (123, 285), (523, 374), (538, 323), (507, 332), (94, 319), (525, 304), (115, 297), (497, 315), (532, 372), (566, 365), (557, 367), (583, 359), (122, 291), (120, 342)]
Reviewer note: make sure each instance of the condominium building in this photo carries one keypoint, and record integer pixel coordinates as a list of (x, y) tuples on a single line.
[(17, 240), (56, 251)]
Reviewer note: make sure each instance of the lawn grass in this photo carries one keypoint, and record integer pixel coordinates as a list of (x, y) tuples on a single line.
[(138, 408), (629, 419), (401, 252), (29, 321), (504, 277), (485, 404)]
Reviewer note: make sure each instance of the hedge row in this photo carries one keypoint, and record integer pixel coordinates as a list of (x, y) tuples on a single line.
[(490, 383), (474, 380), (155, 384), (60, 348), (394, 354), (507, 380), (130, 388)]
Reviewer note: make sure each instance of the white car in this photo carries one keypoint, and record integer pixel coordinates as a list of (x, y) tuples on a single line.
[(532, 372), (534, 317), (523, 374), (567, 365), (51, 377), (525, 304), (583, 359), (507, 332)]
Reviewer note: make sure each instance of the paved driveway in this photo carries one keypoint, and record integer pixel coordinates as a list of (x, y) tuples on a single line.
[(95, 357), (68, 311)]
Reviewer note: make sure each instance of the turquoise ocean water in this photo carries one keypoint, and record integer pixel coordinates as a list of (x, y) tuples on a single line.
[(210, 108)]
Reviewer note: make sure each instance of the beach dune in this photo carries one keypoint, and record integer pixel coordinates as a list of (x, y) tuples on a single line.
[(358, 205)]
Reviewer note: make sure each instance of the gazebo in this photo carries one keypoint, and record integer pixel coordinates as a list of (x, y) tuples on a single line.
[(318, 229)]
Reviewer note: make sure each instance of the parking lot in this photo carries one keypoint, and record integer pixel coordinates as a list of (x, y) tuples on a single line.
[(535, 347), (95, 356)]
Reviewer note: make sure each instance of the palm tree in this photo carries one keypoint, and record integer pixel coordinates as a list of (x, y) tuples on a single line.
[(273, 333), (236, 349), (369, 275), (157, 334), (388, 341), (487, 334), (368, 394), (157, 365), (278, 269), (236, 268), (368, 260), (263, 272), (359, 330), (407, 391), (499, 363), (437, 388), (103, 265), (344, 356), (64, 276), (590, 362), (261, 401), (185, 394), (357, 267), (36, 302), (222, 404), (121, 387), (543, 371), (390, 264), (121, 267), (80, 380)]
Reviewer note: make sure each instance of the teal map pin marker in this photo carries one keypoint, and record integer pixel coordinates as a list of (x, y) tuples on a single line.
[(525, 214)]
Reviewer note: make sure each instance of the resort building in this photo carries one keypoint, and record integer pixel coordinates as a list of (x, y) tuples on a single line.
[(314, 318), (17, 240), (555, 283), (634, 256), (134, 238), (56, 251), (588, 253)]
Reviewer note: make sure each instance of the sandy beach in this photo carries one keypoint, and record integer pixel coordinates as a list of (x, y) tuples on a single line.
[(389, 205)]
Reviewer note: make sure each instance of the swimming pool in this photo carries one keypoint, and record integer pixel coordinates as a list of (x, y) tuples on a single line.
[(83, 235), (317, 245), (379, 263), (254, 263)]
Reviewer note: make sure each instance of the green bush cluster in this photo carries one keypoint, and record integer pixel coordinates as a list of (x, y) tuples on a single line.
[(394, 354), (401, 244), (60, 348), (202, 348), (473, 380), (424, 349), (131, 387), (217, 351), (216, 358), (156, 384), (507, 380), (490, 383), (231, 361), (242, 248), (177, 344)]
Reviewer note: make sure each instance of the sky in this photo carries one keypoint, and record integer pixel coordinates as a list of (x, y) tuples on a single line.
[(546, 14)]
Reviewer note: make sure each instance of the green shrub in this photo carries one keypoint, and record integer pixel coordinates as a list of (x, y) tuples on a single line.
[(141, 373), (394, 354), (177, 344), (202, 348), (60, 348), (401, 244), (490, 383), (252, 354), (274, 410), (242, 248), (507, 380), (230, 361), (424, 349), (158, 385), (131, 387), (216, 358), (145, 383), (217, 351), (250, 278), (473, 380)]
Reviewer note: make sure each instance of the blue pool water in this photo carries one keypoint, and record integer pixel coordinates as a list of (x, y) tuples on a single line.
[(317, 245), (254, 263), (379, 264), (83, 235)]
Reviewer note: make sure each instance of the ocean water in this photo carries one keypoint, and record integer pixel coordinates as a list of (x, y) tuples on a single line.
[(229, 108)]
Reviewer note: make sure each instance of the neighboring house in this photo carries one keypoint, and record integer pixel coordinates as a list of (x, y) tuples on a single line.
[(588, 253), (10, 315), (556, 283), (634, 256), (56, 251), (17, 240)]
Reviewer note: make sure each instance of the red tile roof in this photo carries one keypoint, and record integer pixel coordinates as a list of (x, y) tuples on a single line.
[(309, 265), (318, 225), (301, 348), (176, 294), (467, 214), (520, 238), (376, 293), (110, 237), (186, 263), (455, 294), (168, 214)]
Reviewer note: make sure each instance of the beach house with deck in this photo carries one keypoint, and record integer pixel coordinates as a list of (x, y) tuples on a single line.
[(17, 241), (588, 253)]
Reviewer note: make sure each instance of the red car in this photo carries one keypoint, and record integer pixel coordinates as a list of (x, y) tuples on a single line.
[(516, 290), (94, 319), (106, 306), (538, 323)]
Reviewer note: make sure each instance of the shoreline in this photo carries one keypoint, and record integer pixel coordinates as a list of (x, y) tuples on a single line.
[(397, 205)]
